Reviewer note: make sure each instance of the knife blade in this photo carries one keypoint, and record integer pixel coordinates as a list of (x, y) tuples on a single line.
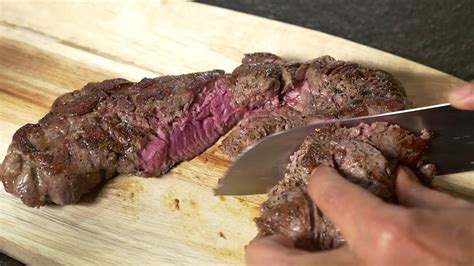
[(263, 164)]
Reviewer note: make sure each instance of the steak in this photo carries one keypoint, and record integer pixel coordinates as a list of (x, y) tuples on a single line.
[(318, 90), (117, 126), (366, 155)]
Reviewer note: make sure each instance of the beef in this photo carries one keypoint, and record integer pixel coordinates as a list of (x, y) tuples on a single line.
[(318, 90), (117, 126), (258, 125), (366, 155)]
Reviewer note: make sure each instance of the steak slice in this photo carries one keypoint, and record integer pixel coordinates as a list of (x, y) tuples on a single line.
[(366, 155), (318, 90), (259, 124), (117, 126)]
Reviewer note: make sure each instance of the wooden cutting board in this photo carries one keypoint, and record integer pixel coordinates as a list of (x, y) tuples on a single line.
[(47, 49)]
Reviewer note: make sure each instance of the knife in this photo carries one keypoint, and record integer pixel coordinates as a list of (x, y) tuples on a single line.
[(263, 164)]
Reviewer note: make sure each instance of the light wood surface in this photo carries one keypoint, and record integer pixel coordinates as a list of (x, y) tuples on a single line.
[(48, 48)]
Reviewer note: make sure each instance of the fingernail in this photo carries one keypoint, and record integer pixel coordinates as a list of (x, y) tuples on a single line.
[(407, 174), (315, 170), (318, 168)]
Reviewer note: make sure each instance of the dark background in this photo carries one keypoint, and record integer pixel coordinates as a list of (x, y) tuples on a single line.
[(436, 33)]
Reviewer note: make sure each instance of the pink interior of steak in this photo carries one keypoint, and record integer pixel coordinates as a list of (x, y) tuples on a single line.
[(210, 116), (293, 97)]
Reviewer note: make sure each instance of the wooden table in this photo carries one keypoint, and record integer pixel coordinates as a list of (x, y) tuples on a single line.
[(47, 49)]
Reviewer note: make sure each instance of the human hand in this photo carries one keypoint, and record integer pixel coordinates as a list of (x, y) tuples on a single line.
[(429, 228), (463, 97)]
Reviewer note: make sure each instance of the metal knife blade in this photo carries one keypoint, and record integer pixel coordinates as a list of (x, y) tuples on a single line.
[(263, 164)]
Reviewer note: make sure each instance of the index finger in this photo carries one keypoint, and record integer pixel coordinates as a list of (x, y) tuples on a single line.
[(348, 206)]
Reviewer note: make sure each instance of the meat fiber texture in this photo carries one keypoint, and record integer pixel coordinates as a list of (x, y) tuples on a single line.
[(366, 155), (318, 90), (117, 126)]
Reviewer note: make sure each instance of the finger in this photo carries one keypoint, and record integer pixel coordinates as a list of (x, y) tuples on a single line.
[(348, 206), (278, 250), (271, 250), (463, 98), (412, 193), (338, 257)]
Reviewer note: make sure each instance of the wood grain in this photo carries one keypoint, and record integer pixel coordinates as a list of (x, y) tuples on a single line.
[(48, 48)]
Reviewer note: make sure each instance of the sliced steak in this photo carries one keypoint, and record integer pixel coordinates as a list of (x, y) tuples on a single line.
[(117, 126), (318, 90), (366, 155)]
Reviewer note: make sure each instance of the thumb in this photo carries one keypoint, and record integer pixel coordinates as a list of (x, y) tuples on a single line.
[(412, 193), (463, 97)]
